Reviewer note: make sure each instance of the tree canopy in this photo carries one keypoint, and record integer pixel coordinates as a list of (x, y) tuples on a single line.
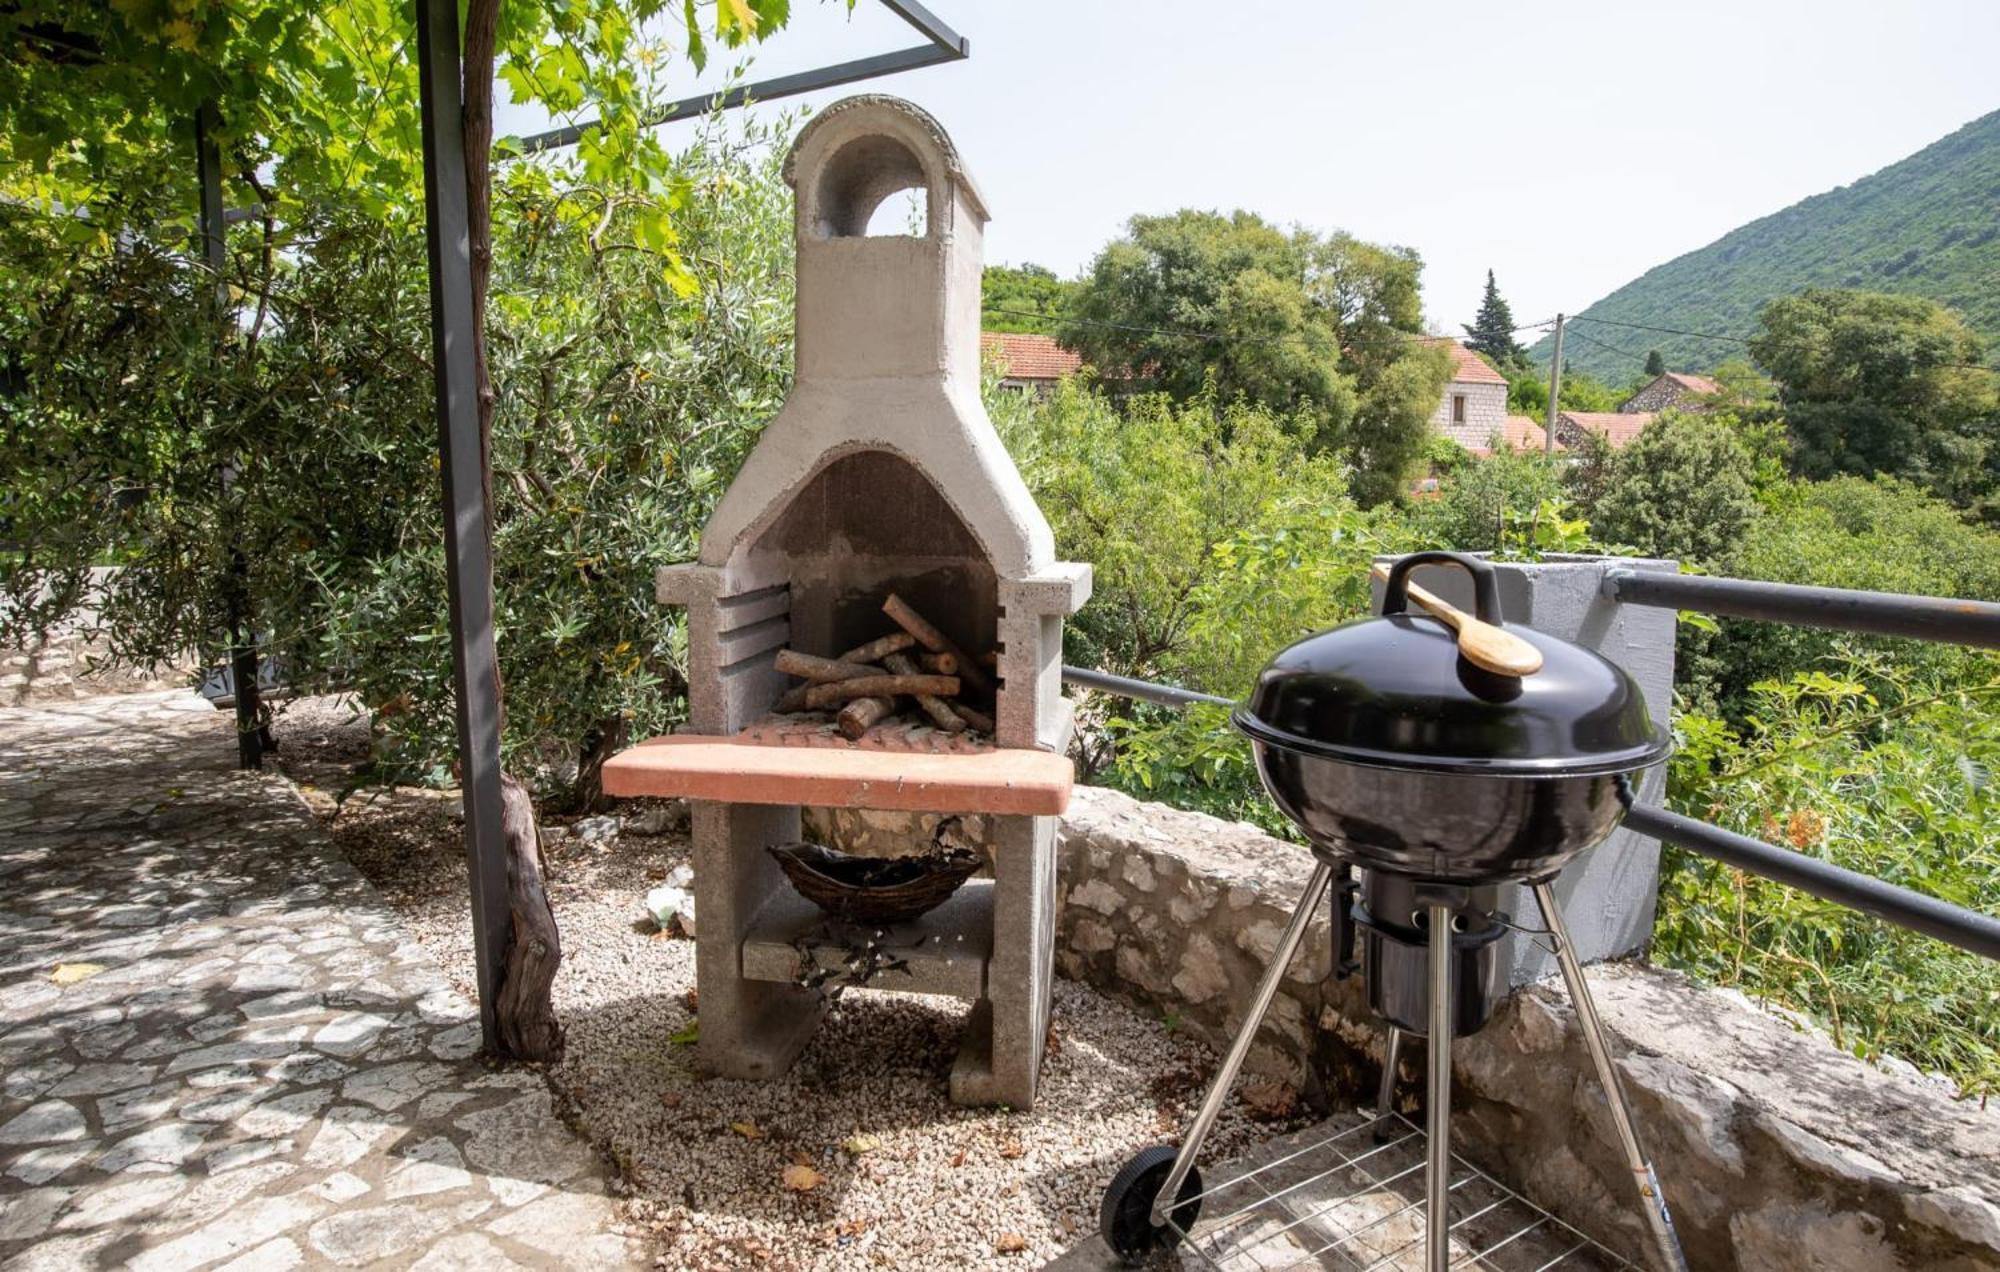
[(1491, 331), (1874, 383), (1023, 298), (1320, 326)]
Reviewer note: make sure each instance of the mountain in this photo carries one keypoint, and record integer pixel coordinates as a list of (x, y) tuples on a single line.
[(1927, 225)]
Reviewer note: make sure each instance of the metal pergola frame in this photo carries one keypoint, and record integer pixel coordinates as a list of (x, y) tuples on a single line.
[(468, 551)]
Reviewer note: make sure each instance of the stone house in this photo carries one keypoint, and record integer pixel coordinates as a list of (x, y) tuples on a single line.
[(1616, 427), (1673, 389), (1474, 407), (1027, 361)]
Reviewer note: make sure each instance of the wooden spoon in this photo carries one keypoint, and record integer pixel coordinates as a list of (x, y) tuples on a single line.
[(1479, 642)]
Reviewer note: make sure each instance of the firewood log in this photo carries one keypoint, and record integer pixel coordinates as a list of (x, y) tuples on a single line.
[(933, 706), (977, 719), (879, 648), (858, 716), (936, 641), (938, 664), (814, 670), (838, 691), (819, 670)]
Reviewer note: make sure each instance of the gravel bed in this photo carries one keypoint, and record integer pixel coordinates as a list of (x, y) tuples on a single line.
[(905, 1179)]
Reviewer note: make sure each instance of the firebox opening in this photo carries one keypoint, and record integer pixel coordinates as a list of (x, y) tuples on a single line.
[(861, 178), (868, 524)]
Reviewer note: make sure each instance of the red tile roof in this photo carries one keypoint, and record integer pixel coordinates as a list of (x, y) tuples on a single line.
[(1467, 366), (1617, 427), (1522, 433), (1694, 383), (1026, 355)]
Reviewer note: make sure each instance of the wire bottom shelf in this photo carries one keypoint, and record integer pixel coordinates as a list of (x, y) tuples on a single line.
[(1350, 1198)]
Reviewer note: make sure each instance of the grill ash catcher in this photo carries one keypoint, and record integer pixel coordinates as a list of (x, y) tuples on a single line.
[(1441, 756)]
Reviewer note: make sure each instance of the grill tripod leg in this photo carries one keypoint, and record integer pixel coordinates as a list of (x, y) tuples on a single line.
[(1385, 1095), (1437, 1104), (1653, 1202), (1239, 1047)]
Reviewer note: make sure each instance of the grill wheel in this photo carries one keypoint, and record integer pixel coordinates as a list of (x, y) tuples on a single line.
[(1126, 1220)]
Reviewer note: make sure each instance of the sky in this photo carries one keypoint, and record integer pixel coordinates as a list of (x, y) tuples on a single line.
[(1567, 145)]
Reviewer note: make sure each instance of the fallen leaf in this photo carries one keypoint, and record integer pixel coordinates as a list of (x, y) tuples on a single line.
[(71, 973), (801, 1157), (1010, 1243), (747, 1129), (1051, 1042), (693, 1000), (672, 1100), (850, 1227), (801, 1178), (1270, 1101), (856, 1145), (1012, 1149), (958, 1158)]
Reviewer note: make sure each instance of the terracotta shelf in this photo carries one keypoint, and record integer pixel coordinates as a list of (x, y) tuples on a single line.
[(732, 770)]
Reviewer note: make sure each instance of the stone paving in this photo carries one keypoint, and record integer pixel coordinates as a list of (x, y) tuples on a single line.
[(219, 1048)]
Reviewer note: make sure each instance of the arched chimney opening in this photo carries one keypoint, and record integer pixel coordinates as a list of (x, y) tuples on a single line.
[(859, 178)]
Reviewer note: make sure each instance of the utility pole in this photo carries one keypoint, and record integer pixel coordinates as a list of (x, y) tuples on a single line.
[(1555, 389)]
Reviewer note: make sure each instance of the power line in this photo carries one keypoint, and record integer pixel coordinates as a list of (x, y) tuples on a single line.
[(1608, 348), (1190, 333)]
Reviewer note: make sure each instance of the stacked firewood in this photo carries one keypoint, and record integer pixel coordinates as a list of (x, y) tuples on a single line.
[(915, 663)]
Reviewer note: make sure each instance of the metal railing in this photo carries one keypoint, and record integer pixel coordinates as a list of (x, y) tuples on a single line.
[(1975, 623)]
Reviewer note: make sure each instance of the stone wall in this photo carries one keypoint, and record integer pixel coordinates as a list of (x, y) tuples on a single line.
[(68, 665), (1485, 414), (1776, 1149)]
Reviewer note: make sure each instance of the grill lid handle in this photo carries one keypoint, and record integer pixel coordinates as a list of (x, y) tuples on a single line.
[(1481, 640), (1485, 583)]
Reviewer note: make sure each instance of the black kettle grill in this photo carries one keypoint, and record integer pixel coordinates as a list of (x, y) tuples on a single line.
[(1441, 779)]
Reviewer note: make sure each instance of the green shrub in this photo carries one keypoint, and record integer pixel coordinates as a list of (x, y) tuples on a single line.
[(1681, 489), (1899, 786), (1878, 535)]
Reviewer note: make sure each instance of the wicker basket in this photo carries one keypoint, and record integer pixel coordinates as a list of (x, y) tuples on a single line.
[(876, 890)]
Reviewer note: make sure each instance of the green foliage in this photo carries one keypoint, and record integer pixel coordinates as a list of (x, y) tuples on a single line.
[(1303, 325), (1491, 333), (1923, 226), (1899, 786), (1883, 536), (97, 100), (1505, 502), (623, 404), (1022, 298), (1216, 538), (1163, 498), (1682, 489), (1872, 383), (1656, 363), (1528, 391)]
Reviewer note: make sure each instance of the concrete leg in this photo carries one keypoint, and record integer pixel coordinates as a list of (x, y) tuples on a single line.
[(749, 1029), (1001, 1057)]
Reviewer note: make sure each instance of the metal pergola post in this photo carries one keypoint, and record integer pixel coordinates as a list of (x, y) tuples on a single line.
[(468, 554)]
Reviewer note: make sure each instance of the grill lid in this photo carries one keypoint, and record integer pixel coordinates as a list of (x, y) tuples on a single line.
[(1393, 692)]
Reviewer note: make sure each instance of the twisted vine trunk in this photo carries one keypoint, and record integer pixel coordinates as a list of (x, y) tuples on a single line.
[(525, 1008)]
